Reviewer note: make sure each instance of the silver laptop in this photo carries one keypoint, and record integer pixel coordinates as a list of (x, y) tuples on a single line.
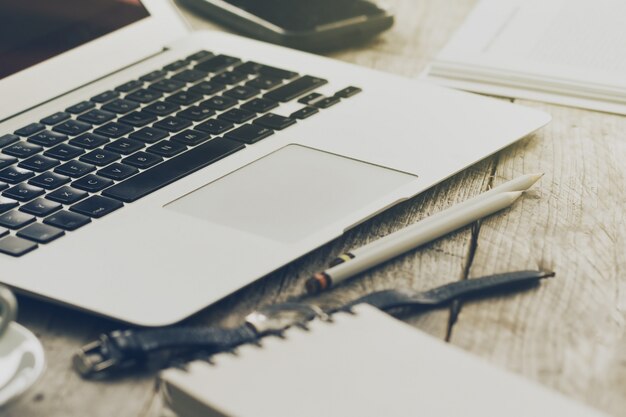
[(146, 172)]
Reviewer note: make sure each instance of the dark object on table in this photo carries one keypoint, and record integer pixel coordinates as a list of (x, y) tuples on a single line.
[(136, 349), (302, 24)]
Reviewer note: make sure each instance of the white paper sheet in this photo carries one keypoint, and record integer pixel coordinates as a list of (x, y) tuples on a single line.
[(570, 52)]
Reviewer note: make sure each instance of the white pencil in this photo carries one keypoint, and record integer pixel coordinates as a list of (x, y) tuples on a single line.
[(521, 183), (421, 232)]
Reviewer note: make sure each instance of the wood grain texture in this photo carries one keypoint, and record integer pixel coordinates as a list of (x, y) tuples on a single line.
[(567, 334)]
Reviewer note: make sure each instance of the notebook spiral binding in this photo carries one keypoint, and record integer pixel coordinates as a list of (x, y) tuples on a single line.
[(278, 336)]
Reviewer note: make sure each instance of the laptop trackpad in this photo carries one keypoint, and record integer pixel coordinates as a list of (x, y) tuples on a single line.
[(291, 193)]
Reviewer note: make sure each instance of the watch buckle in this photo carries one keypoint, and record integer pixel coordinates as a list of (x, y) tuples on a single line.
[(91, 359)]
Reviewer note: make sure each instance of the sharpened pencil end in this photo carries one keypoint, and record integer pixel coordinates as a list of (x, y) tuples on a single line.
[(512, 196), (536, 177)]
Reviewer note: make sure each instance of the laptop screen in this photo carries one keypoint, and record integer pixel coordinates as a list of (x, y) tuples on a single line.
[(32, 31)]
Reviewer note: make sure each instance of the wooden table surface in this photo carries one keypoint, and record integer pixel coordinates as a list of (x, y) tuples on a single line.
[(567, 334)]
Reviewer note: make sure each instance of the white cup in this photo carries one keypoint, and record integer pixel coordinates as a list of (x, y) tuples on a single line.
[(8, 309)]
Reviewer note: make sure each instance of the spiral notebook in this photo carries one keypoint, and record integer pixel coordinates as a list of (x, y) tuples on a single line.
[(366, 364)]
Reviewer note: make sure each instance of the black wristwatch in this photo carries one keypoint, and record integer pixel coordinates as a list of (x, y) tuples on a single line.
[(133, 349)]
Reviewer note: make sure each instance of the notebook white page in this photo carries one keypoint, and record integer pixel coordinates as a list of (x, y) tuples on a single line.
[(570, 52), (366, 365)]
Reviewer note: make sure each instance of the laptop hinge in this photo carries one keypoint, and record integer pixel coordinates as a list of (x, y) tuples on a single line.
[(165, 49)]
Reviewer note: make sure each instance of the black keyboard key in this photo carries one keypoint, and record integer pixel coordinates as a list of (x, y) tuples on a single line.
[(8, 139), (149, 135), (256, 68), (190, 137), (142, 160), (49, 180), (120, 106), (310, 98), (100, 157), (199, 56), (124, 146), (75, 169), (113, 130), (97, 116), (230, 77), (189, 76), (55, 118), (215, 126), (184, 98), (6, 161), (172, 170), (172, 124), (48, 138), (7, 204), (64, 152), (66, 195), (129, 86), (242, 92), (97, 206), (162, 108), (89, 141), (81, 107), (295, 88), (13, 175), (144, 95), (67, 220), (219, 103), (217, 63), (237, 115), (41, 207), (40, 233), (16, 246), (105, 97), (275, 121), (23, 192), (39, 163), (153, 76), (137, 118), (250, 68), (118, 172), (15, 219), (3, 185), (92, 183), (22, 149), (176, 65), (249, 133), (207, 88), (30, 129), (167, 148), (196, 113), (264, 83), (259, 105), (72, 127), (326, 102), (304, 112), (348, 92), (167, 85)]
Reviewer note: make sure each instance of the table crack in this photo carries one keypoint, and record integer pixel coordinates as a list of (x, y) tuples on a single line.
[(455, 307)]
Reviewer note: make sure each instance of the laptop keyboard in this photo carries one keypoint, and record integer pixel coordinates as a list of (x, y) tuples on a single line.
[(91, 159)]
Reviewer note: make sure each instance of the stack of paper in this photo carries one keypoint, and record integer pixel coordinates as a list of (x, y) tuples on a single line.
[(570, 52)]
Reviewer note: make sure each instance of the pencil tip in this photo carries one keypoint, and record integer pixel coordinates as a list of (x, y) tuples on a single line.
[(535, 177), (512, 196), (538, 175)]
